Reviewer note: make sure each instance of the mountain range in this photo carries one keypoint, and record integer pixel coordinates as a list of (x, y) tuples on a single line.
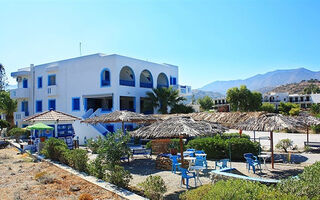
[(264, 82)]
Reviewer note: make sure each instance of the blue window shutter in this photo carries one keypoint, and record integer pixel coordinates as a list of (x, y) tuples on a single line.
[(25, 83), (75, 104), (39, 106), (52, 104), (39, 82)]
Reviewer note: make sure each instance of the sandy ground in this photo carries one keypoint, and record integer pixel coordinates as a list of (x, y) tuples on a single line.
[(18, 180), (141, 168)]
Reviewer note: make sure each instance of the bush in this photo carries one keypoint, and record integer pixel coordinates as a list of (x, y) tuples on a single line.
[(55, 149), (78, 159), (153, 187), (44, 178), (18, 132), (285, 108), (94, 145), (218, 147), (238, 190), (118, 176), (315, 129), (315, 109), (149, 144), (97, 168), (268, 107), (285, 144), (294, 111), (234, 135), (307, 184)]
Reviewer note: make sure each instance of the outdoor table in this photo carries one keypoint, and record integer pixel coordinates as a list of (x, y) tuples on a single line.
[(197, 169), (264, 157), (190, 160)]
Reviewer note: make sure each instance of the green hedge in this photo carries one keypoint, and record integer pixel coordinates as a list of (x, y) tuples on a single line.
[(218, 147), (237, 190)]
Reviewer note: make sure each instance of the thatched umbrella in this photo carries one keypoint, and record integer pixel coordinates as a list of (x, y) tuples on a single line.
[(270, 122), (178, 127), (308, 120), (121, 116)]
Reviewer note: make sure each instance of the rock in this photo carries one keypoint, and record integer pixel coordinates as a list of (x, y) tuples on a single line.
[(74, 188), (9, 168), (12, 174)]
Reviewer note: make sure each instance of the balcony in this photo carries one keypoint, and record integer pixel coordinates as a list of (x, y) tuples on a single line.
[(19, 93), (146, 85), (52, 90), (127, 83)]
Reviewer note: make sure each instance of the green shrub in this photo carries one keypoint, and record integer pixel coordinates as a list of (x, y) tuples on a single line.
[(55, 149), (149, 144), (268, 107), (294, 111), (236, 189), (118, 176), (78, 159), (94, 145), (97, 168), (315, 109), (285, 108), (219, 147), (315, 129), (234, 135), (307, 184), (153, 187), (285, 144), (18, 132)]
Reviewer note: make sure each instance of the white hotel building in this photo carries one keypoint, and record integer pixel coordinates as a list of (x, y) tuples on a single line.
[(90, 86)]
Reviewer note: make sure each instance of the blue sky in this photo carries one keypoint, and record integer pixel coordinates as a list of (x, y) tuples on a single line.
[(208, 40)]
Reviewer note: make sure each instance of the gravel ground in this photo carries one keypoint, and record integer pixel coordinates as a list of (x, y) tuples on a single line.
[(141, 168), (18, 180)]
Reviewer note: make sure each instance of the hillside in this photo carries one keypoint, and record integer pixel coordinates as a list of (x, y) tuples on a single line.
[(200, 94), (267, 80), (295, 88)]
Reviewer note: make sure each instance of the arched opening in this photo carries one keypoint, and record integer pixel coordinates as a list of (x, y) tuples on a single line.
[(146, 80), (127, 76), (162, 81), (105, 77)]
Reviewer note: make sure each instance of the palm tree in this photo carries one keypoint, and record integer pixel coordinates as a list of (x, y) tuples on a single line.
[(8, 106), (162, 98)]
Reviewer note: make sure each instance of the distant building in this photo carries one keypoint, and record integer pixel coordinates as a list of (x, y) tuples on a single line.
[(304, 100), (221, 104), (90, 86)]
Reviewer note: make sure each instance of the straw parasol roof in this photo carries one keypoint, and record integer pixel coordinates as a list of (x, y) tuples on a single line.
[(121, 116), (177, 126), (270, 122), (307, 119), (51, 115)]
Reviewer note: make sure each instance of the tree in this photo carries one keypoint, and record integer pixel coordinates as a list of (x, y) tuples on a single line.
[(17, 132), (206, 103), (163, 98), (268, 107), (3, 78), (285, 144), (8, 106), (242, 99), (289, 108), (311, 89), (181, 108), (315, 109), (3, 124)]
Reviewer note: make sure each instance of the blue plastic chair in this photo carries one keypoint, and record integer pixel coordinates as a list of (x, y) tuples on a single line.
[(252, 157), (185, 175), (191, 150), (252, 163), (223, 163), (175, 164), (204, 157), (199, 161)]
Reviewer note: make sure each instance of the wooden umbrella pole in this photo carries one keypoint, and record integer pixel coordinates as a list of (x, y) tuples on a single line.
[(307, 134), (181, 150), (271, 144)]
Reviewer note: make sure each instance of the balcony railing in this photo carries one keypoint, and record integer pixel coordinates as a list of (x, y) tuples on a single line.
[(52, 90), (146, 85), (19, 93), (162, 86), (127, 83)]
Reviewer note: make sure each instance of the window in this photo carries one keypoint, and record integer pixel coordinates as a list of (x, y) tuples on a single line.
[(40, 82), (25, 83), (51, 80), (173, 81), (76, 104), (105, 77), (24, 108), (38, 106), (52, 104)]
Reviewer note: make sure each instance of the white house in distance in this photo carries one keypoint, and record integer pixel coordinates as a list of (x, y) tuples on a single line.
[(90, 86)]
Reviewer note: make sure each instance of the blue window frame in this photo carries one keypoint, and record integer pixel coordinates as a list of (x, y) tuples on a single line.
[(24, 108), (76, 104), (39, 106), (40, 82), (51, 79), (173, 80), (52, 104), (25, 83), (105, 77)]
